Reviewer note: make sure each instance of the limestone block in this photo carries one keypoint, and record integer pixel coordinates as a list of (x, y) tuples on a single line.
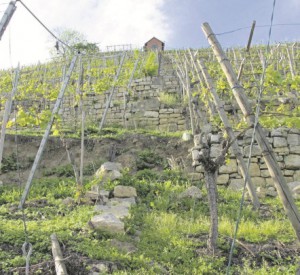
[(293, 139), (297, 175), (292, 162), (125, 202), (269, 182), (174, 116), (236, 184), (280, 142), (283, 151), (151, 114), (195, 155), (289, 173), (110, 166), (295, 185), (265, 173), (151, 104), (215, 151), (288, 179), (254, 170), (271, 192), (223, 179), (199, 169), (295, 149), (235, 176), (109, 171), (255, 150), (259, 181), (294, 131), (118, 211), (121, 191), (107, 222), (230, 167), (279, 132), (215, 138)]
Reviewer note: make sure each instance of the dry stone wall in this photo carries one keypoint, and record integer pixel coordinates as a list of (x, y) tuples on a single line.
[(286, 145), (138, 107)]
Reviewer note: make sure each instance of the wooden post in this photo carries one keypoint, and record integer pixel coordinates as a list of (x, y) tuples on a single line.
[(235, 147), (60, 266), (7, 111), (111, 93), (82, 147), (267, 151), (47, 132), (291, 62), (128, 87), (71, 159), (188, 90), (247, 50), (80, 93), (210, 105), (186, 85)]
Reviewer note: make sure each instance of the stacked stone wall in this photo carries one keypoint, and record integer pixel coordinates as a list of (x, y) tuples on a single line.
[(286, 145)]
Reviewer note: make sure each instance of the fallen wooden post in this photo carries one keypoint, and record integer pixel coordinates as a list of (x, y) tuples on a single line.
[(60, 266)]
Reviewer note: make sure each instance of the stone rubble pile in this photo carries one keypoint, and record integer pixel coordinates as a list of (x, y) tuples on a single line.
[(112, 208)]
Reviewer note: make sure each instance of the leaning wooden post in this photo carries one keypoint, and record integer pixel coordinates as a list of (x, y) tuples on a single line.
[(235, 147), (7, 111), (128, 87), (80, 93), (291, 62), (188, 90), (111, 93), (60, 266), (210, 104), (47, 132), (267, 151)]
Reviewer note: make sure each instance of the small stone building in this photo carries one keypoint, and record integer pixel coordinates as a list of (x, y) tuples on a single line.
[(154, 44)]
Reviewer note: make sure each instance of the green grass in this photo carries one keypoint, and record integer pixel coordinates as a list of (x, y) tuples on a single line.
[(92, 132), (171, 230)]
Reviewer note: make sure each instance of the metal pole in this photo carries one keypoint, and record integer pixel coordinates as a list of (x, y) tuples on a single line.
[(47, 132), (7, 113), (111, 93), (7, 16), (283, 190)]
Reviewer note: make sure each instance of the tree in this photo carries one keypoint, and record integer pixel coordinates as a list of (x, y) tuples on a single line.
[(72, 41)]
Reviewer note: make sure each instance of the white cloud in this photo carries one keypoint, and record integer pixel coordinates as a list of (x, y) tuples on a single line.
[(107, 22)]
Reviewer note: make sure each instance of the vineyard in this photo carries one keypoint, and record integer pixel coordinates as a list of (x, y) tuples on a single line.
[(62, 120)]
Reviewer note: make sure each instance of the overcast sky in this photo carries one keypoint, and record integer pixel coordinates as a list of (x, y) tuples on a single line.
[(111, 22)]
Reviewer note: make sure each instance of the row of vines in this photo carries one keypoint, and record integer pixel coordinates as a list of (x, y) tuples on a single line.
[(280, 89), (39, 85)]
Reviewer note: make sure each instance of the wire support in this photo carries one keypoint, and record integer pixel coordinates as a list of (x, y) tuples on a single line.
[(252, 143), (257, 26), (27, 246), (44, 26)]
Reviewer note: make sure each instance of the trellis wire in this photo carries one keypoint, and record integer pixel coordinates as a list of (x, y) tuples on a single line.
[(251, 145)]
